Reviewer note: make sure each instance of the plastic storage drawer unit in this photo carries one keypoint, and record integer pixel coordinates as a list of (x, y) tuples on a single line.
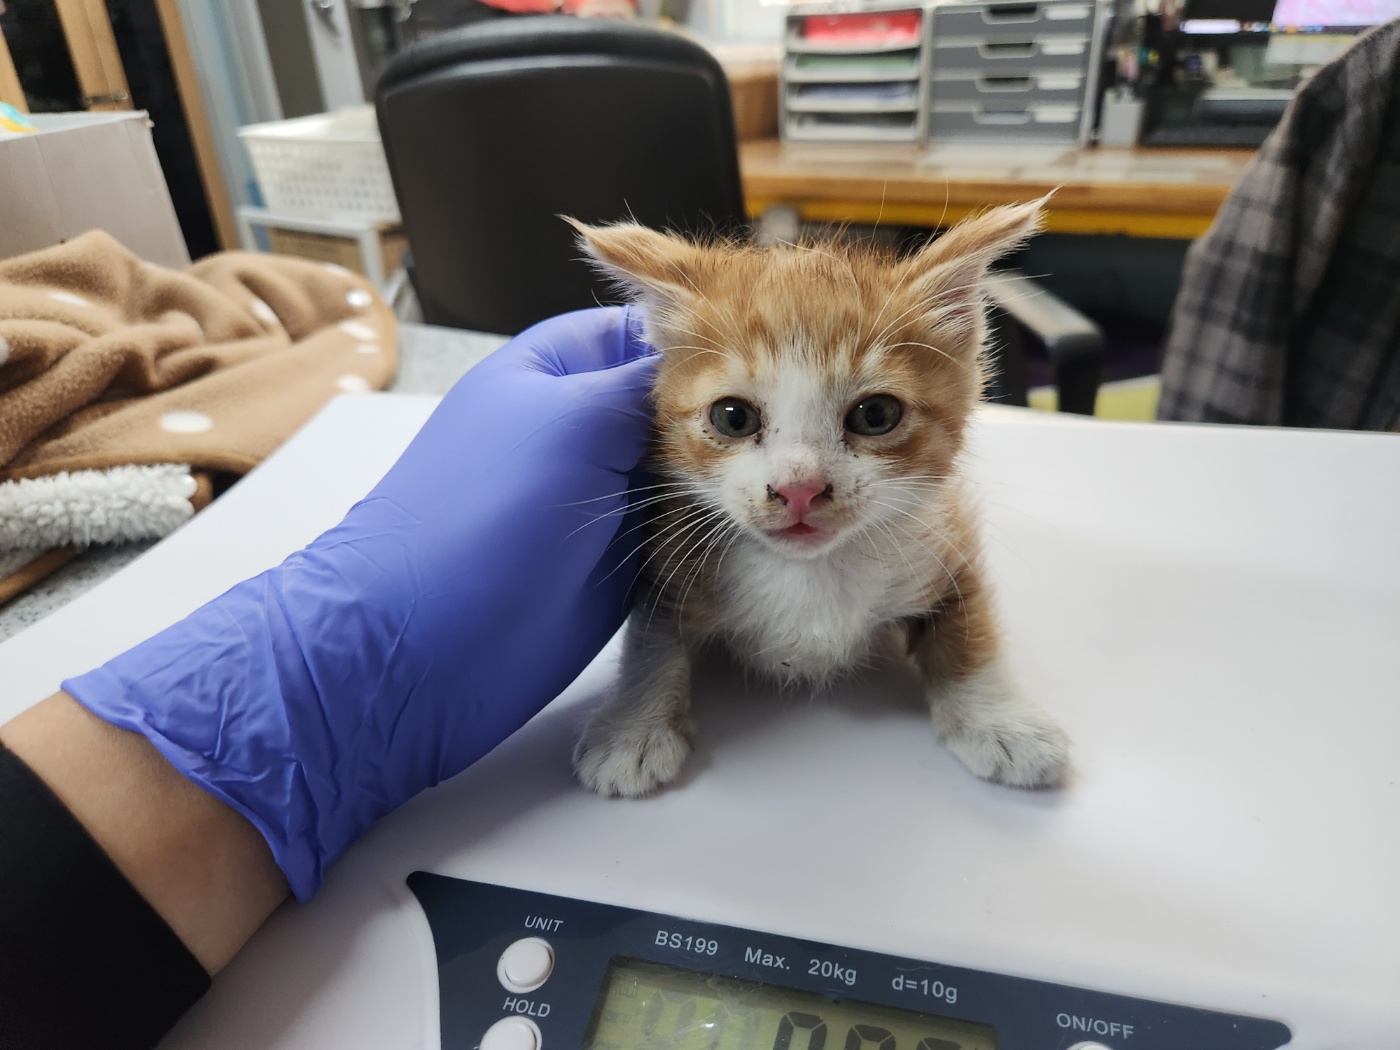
[(857, 76), (1001, 89), (1013, 72), (1016, 21)]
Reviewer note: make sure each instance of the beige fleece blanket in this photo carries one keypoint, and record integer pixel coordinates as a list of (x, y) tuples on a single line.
[(123, 386)]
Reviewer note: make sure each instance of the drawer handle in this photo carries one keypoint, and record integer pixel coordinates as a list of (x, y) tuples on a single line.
[(1058, 81), (1001, 14), (1004, 83), (1002, 117), (1056, 115), (988, 50)]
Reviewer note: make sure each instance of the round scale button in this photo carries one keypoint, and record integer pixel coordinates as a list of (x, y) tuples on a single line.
[(512, 1033), (525, 965), (1076, 1046)]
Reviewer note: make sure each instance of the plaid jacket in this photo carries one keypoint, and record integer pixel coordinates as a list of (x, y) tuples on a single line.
[(1289, 311)]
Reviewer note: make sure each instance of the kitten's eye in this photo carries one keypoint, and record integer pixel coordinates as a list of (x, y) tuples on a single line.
[(734, 418), (874, 415)]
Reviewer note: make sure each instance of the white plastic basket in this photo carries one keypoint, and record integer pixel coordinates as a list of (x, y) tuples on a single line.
[(330, 165)]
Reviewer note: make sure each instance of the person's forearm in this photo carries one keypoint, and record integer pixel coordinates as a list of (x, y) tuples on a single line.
[(202, 866)]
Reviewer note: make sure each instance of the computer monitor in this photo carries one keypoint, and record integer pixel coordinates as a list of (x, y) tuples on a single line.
[(1269, 17), (1226, 17), (1332, 16)]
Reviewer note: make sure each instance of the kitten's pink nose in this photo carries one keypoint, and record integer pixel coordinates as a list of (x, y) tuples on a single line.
[(800, 496)]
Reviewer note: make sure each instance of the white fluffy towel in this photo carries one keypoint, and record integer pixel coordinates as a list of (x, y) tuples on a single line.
[(83, 507)]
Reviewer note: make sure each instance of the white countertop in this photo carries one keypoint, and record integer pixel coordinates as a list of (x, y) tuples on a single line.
[(1212, 611)]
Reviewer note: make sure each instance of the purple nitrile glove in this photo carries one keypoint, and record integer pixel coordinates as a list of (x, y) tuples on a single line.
[(464, 593)]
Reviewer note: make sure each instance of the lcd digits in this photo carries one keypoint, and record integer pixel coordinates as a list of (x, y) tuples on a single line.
[(809, 1032), (649, 1006)]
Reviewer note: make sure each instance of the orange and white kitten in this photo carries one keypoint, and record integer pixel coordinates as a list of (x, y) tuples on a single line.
[(811, 406)]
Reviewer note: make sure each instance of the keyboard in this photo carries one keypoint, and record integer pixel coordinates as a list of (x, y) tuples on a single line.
[(1208, 135)]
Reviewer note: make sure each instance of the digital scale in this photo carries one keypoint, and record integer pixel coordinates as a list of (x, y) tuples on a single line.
[(1214, 614), (629, 979)]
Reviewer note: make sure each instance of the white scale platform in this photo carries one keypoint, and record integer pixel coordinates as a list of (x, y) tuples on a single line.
[(1214, 614)]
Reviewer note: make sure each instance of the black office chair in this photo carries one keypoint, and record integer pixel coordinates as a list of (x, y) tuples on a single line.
[(1074, 343), (495, 130)]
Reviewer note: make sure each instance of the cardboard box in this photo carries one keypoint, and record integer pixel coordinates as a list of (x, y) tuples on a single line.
[(754, 94), (84, 171), (343, 251), (753, 71)]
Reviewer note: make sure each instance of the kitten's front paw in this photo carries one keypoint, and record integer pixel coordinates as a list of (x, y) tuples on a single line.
[(633, 761), (1000, 735)]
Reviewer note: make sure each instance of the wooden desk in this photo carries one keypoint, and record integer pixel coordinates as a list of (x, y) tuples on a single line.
[(1142, 192)]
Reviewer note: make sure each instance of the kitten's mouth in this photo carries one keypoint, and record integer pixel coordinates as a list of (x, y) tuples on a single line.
[(802, 533)]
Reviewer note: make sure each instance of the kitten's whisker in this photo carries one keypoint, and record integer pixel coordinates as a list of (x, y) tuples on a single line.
[(669, 543), (628, 557), (907, 499), (648, 539), (958, 289), (915, 308), (889, 299), (923, 522), (682, 561), (641, 504), (863, 533), (661, 589), (700, 350), (927, 346), (683, 558), (927, 529), (650, 501), (627, 491), (728, 321), (948, 574), (735, 538), (716, 347), (931, 484), (899, 549), (940, 534), (932, 313), (937, 315), (664, 590), (780, 643), (686, 330), (701, 560), (620, 512), (647, 522), (670, 531)]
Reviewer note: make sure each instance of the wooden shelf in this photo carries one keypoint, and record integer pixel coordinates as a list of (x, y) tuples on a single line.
[(1142, 192)]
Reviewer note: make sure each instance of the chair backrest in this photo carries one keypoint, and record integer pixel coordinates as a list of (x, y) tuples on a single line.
[(494, 131)]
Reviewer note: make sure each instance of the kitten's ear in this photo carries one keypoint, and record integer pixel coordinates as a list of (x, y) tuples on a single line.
[(948, 273), (650, 266)]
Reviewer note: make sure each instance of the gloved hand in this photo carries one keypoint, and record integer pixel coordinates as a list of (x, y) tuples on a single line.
[(465, 592)]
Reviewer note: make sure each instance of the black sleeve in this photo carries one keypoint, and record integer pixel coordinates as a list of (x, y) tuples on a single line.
[(85, 962)]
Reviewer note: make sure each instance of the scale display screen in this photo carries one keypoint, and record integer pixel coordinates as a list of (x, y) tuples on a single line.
[(650, 1006)]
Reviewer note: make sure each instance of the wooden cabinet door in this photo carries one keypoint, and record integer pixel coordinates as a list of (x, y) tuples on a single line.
[(60, 55), (11, 90), (95, 56)]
